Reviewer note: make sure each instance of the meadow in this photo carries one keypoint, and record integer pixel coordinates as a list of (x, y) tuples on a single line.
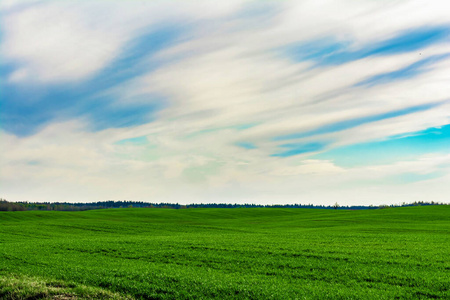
[(241, 253)]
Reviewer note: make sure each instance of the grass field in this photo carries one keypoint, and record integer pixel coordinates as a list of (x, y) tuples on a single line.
[(257, 253)]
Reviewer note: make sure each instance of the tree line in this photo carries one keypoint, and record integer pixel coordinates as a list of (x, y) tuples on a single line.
[(65, 206)]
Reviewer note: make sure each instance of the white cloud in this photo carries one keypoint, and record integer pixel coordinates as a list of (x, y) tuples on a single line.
[(58, 41), (226, 87), (52, 43), (226, 74), (65, 163)]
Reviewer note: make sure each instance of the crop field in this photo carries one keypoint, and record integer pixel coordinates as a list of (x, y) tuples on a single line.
[(242, 253)]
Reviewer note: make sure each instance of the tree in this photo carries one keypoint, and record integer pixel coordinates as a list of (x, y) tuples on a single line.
[(336, 205)]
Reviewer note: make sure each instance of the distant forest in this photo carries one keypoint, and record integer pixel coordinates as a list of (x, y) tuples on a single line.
[(64, 206)]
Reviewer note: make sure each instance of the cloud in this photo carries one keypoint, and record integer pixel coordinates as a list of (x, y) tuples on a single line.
[(62, 41), (246, 145), (412, 70), (352, 123), (327, 51), (195, 101), (86, 166), (52, 43), (300, 148)]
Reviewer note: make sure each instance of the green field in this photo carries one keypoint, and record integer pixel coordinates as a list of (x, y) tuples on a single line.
[(257, 253)]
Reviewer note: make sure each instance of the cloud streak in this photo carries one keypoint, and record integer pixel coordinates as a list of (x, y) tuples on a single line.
[(352, 123), (327, 51)]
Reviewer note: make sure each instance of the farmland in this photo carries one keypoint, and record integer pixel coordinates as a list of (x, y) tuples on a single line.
[(257, 253)]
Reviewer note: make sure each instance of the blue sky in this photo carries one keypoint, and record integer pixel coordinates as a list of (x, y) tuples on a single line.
[(262, 102), (434, 140)]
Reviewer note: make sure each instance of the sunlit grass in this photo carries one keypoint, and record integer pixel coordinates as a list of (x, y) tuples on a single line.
[(25, 287)]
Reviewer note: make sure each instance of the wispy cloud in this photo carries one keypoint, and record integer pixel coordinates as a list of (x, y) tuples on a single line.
[(300, 148), (246, 145), (351, 123), (234, 101), (410, 71), (328, 51)]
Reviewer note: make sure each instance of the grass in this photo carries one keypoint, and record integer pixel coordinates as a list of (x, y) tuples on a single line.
[(26, 287), (254, 253)]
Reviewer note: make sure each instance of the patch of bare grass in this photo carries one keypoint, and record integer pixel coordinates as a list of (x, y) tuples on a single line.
[(19, 287)]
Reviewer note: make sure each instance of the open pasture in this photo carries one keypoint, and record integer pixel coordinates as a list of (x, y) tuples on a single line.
[(254, 253)]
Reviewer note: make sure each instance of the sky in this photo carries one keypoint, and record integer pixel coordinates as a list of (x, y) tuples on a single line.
[(311, 102)]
